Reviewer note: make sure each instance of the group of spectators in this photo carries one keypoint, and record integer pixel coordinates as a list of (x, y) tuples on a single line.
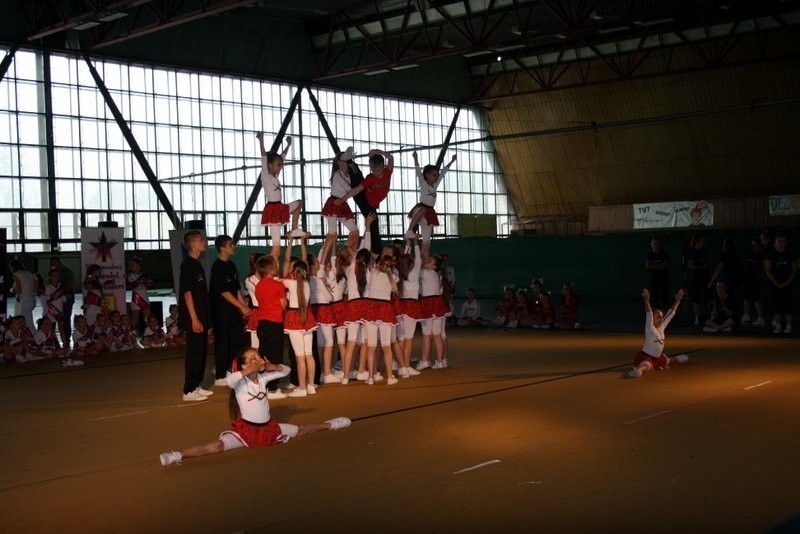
[(518, 309), (96, 330), (731, 294)]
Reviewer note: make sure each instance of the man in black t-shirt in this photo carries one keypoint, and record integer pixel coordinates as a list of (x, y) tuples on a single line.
[(657, 264), (193, 315), (228, 308)]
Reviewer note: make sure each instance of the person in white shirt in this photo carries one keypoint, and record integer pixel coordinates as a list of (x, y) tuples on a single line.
[(423, 213), (276, 213), (652, 355), (252, 425), (471, 311)]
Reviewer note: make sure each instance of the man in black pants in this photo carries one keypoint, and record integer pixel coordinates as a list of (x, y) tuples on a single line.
[(193, 316), (228, 309), (67, 280)]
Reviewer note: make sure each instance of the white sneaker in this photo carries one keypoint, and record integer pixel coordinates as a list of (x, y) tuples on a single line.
[(778, 328), (445, 363), (362, 376), (377, 377), (391, 381), (369, 381), (513, 324), (395, 367), (708, 329), (412, 371), (403, 372), (759, 322), (275, 395), (169, 458), (299, 393), (746, 318), (194, 396), (339, 423), (204, 392), (331, 379), (681, 358), (345, 381), (311, 390), (634, 373), (437, 365), (727, 329), (423, 365), (297, 232), (788, 329), (220, 382)]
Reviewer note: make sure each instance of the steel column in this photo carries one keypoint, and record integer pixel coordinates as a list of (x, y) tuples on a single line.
[(137, 151)]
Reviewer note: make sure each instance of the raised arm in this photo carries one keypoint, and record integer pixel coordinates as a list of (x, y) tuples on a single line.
[(287, 258), (678, 299), (287, 147), (646, 300), (389, 157), (260, 137)]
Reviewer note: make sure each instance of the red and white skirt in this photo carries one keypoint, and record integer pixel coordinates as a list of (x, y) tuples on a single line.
[(294, 323), (340, 211), (323, 313), (430, 214), (354, 311), (411, 308), (662, 362), (433, 306), (256, 435), (378, 311), (275, 213), (338, 311)]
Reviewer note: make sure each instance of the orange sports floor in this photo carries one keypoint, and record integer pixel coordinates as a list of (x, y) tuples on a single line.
[(526, 431)]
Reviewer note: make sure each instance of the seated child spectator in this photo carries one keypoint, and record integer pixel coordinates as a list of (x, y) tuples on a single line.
[(545, 314), (175, 335), (153, 334), (506, 309), (569, 308), (471, 311), (101, 334), (114, 330), (127, 336), (16, 341), (45, 343), (722, 317), (82, 339), (524, 309)]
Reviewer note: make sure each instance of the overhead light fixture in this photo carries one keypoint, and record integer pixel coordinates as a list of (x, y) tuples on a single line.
[(509, 47), (406, 67), (87, 25), (447, 43), (374, 72), (477, 53), (113, 16), (724, 6), (515, 30), (499, 58), (595, 15), (560, 36)]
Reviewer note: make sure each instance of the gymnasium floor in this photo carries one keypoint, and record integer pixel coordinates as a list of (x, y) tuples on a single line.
[(527, 430)]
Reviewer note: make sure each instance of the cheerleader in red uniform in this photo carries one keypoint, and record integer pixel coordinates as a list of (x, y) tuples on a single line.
[(410, 310), (569, 308), (379, 315), (334, 212), (92, 294), (434, 310), (299, 322), (321, 284), (276, 213), (251, 421)]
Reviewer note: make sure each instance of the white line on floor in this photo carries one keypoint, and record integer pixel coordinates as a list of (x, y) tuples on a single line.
[(758, 385), (484, 464), (116, 416), (647, 417)]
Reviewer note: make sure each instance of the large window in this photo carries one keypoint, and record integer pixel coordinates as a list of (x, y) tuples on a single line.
[(197, 134)]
